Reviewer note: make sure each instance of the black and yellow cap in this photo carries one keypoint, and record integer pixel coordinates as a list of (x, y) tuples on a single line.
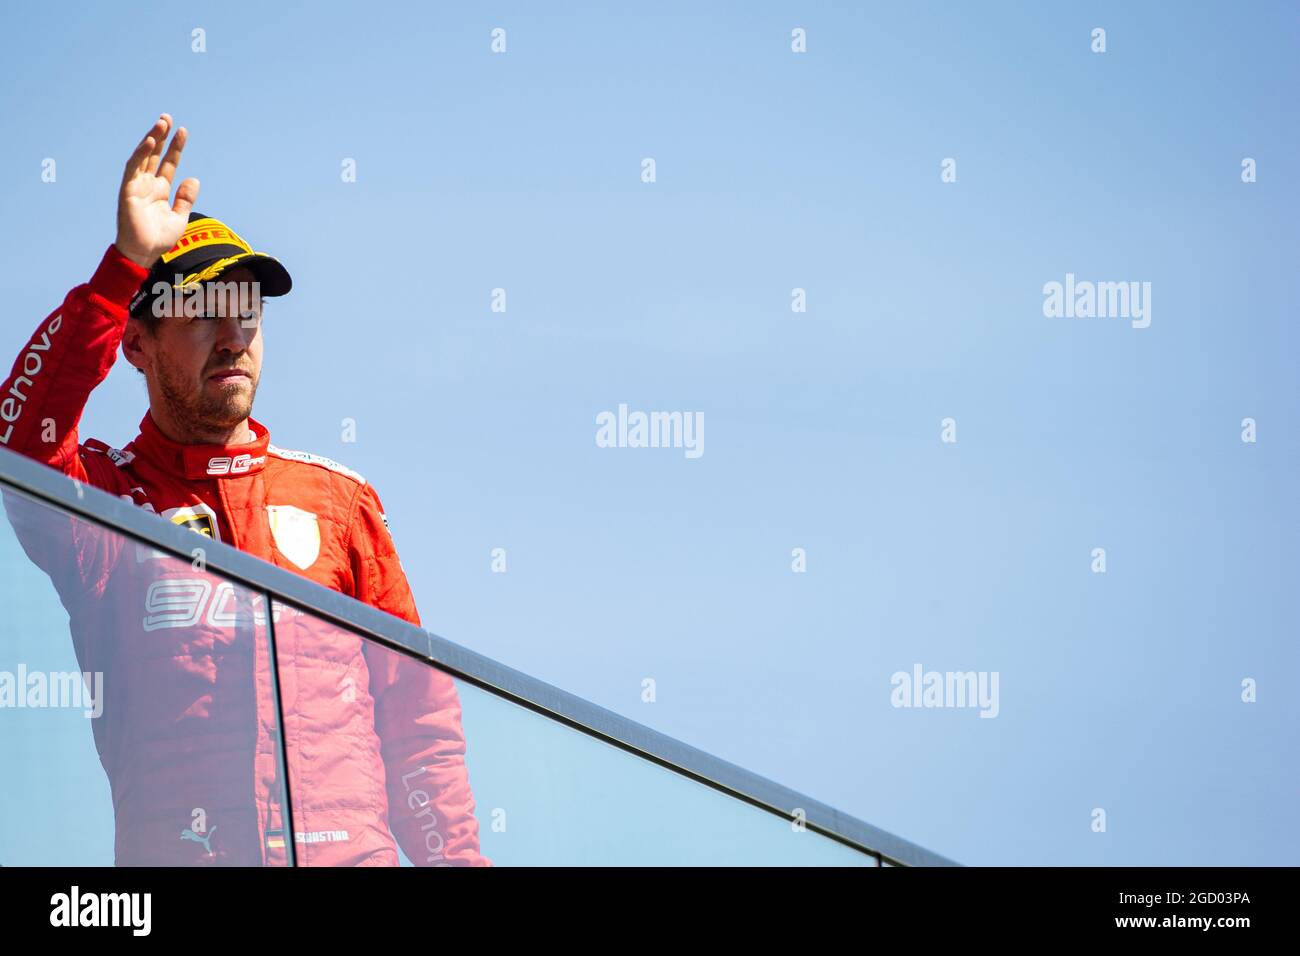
[(206, 249)]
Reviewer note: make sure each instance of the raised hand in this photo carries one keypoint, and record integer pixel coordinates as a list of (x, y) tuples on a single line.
[(148, 222)]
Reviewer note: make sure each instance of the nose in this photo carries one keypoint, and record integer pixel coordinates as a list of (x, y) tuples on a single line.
[(234, 333)]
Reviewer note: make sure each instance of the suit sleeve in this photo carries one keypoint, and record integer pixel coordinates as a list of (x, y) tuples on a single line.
[(41, 403), (68, 355), (417, 714)]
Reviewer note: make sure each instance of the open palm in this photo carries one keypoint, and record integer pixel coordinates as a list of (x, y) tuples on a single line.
[(148, 221)]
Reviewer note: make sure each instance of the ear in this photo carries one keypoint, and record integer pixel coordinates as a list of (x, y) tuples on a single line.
[(133, 343)]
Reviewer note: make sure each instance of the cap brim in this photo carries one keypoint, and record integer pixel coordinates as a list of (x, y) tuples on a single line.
[(273, 278)]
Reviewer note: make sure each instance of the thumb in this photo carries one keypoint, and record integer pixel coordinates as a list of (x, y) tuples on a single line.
[(186, 195)]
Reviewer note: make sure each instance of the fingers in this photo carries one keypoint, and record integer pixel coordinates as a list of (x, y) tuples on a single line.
[(168, 167), (186, 195), (140, 156), (155, 153)]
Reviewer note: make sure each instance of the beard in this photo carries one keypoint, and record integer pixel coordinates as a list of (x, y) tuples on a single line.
[(203, 413)]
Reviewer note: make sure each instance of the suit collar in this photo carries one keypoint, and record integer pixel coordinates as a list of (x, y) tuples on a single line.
[(199, 462)]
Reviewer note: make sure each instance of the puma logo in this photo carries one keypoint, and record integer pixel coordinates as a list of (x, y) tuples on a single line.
[(188, 834)]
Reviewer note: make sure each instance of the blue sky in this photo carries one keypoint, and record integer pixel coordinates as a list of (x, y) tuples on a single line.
[(775, 170)]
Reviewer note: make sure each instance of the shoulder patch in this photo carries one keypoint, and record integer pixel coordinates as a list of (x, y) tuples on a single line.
[(310, 459), (115, 455)]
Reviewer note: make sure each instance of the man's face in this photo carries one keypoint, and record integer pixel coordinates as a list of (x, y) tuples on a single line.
[(204, 368)]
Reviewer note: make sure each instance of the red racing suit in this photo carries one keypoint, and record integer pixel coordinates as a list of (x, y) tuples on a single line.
[(189, 729)]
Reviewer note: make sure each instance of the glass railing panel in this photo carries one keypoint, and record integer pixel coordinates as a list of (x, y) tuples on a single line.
[(472, 777), (550, 794), (137, 723)]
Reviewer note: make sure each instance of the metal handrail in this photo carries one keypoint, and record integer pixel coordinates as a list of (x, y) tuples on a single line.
[(48, 485)]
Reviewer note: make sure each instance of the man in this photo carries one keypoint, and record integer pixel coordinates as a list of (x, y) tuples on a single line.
[(189, 734)]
